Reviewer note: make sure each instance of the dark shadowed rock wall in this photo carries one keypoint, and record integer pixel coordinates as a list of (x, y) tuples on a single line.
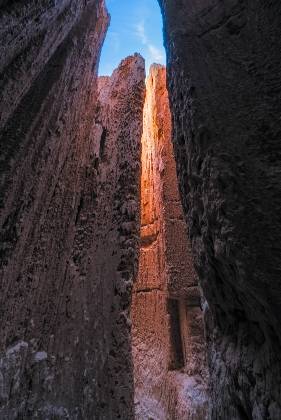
[(69, 214), (224, 83)]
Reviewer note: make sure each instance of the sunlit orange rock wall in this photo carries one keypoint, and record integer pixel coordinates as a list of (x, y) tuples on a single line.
[(168, 336)]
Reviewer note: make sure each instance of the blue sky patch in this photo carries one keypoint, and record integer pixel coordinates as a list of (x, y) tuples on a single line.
[(136, 26)]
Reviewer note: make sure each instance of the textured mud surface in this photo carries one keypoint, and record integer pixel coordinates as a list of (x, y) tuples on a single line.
[(168, 336), (69, 214), (225, 85)]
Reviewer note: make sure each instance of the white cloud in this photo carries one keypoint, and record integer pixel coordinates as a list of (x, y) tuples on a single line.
[(155, 53), (140, 31)]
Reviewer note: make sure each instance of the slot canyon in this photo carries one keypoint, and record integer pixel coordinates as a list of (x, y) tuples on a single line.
[(167, 321), (140, 241)]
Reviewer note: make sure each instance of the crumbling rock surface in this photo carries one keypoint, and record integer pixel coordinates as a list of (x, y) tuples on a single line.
[(69, 215), (168, 336), (224, 83), (70, 169)]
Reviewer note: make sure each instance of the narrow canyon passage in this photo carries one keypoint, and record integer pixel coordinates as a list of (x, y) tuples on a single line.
[(201, 221), (168, 337)]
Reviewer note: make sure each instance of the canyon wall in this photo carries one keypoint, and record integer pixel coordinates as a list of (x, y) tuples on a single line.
[(69, 199), (224, 83), (69, 214), (168, 335)]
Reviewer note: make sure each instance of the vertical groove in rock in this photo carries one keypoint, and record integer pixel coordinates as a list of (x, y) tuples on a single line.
[(224, 83), (69, 214), (168, 337)]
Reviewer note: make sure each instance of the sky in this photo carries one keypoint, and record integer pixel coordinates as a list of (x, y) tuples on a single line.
[(136, 26)]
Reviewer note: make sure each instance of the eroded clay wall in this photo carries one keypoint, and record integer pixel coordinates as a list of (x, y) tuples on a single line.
[(224, 85), (168, 335), (69, 214)]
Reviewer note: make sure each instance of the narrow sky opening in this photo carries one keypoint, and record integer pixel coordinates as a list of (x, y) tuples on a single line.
[(136, 26)]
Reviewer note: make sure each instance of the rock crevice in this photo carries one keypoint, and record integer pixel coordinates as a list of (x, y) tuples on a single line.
[(168, 334)]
